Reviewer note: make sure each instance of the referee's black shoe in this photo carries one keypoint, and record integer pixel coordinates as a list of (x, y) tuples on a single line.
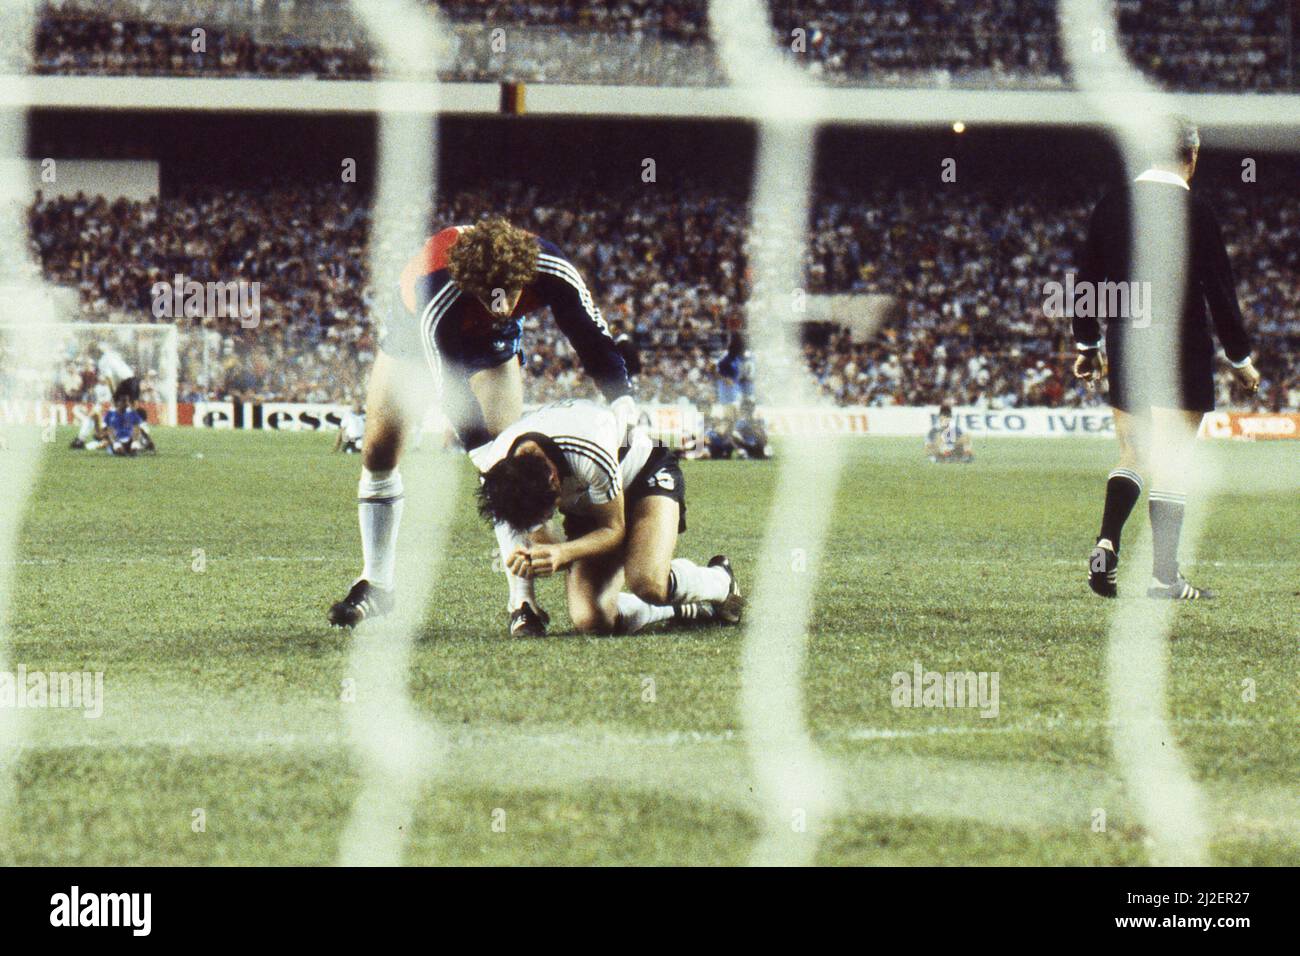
[(1179, 590), (363, 602), (1103, 569)]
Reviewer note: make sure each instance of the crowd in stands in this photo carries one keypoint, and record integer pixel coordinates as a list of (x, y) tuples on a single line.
[(1198, 45), (967, 271)]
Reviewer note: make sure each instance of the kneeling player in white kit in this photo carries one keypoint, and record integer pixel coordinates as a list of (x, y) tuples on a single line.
[(623, 508)]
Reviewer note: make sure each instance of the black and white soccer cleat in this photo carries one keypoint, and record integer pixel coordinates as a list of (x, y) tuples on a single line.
[(730, 609), (1180, 590), (364, 601), (1103, 569), (528, 621), (696, 612)]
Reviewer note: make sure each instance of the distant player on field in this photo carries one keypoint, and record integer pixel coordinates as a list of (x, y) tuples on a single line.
[(352, 431), (946, 442), (1142, 407), (735, 373), (459, 323), (114, 370), (122, 429), (623, 510)]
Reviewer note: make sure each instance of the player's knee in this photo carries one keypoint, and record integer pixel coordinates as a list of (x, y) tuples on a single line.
[(380, 452), (649, 586), (591, 619)]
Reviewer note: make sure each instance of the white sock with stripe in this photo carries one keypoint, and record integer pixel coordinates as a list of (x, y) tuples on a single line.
[(379, 508), (687, 581), (635, 614)]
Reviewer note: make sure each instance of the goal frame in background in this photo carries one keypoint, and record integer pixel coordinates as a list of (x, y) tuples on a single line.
[(167, 365)]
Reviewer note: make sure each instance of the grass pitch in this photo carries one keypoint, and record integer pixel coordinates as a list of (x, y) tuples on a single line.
[(197, 582)]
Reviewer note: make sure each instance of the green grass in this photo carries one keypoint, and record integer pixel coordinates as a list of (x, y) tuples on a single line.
[(222, 686)]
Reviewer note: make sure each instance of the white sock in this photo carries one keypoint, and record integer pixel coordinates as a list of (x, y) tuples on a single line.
[(690, 582), (634, 613), (521, 589), (87, 431), (379, 507)]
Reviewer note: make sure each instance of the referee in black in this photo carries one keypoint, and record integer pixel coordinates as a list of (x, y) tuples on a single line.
[(1150, 401)]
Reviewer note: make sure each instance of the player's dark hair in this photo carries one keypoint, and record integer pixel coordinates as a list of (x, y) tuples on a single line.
[(493, 255), (945, 409), (517, 490)]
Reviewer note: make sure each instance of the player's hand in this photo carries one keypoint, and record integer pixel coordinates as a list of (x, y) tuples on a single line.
[(542, 560), (519, 564), (1247, 377), (1090, 365)]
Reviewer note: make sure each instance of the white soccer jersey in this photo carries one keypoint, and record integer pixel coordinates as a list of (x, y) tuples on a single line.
[(587, 435)]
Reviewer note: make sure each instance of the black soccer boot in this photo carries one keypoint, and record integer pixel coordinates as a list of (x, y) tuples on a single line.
[(364, 601), (1179, 590), (528, 621), (1103, 569), (730, 609)]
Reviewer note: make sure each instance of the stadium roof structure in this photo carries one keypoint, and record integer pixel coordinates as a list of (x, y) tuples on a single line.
[(849, 106)]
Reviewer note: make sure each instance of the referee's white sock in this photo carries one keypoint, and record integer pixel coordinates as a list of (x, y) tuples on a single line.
[(521, 589), (687, 581), (635, 614), (379, 507)]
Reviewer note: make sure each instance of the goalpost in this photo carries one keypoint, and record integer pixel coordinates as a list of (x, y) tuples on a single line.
[(52, 369)]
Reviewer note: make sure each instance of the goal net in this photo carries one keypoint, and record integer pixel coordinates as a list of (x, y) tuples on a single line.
[(75, 366)]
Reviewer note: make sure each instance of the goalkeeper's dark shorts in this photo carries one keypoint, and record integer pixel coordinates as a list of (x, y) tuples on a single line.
[(451, 357)]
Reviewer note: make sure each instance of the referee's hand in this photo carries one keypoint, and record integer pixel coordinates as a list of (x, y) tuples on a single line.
[(1247, 376), (1090, 365)]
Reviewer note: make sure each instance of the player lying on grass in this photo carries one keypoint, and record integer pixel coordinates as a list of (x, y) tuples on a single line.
[(946, 441), (457, 332), (623, 511)]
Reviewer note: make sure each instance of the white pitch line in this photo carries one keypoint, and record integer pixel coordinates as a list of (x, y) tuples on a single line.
[(711, 767), (232, 737)]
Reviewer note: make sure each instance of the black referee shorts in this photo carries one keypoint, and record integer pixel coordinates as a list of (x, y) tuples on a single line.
[(1190, 387)]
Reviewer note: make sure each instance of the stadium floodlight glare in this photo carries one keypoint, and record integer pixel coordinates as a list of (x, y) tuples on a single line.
[(1168, 802), (397, 749)]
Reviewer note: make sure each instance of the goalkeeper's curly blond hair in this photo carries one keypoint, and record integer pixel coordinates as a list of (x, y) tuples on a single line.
[(492, 255)]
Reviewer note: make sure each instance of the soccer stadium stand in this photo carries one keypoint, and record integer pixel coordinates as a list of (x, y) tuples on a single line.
[(1196, 45), (671, 270)]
